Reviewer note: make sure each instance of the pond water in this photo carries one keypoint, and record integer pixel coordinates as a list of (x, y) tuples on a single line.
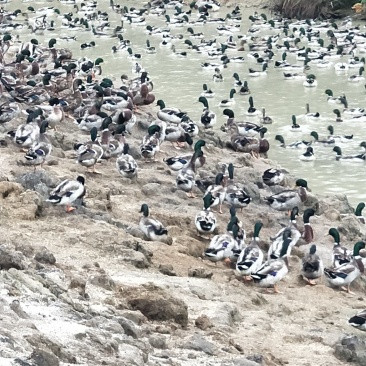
[(178, 81)]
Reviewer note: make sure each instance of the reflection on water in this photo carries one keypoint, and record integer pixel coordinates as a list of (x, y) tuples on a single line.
[(178, 81)]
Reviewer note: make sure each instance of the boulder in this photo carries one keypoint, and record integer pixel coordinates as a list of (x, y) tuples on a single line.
[(11, 259), (43, 358), (351, 349), (198, 342), (156, 303), (45, 256)]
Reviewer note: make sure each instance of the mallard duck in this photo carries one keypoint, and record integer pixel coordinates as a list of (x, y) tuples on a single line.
[(288, 199), (185, 179), (248, 129), (358, 212), (9, 111), (301, 144), (354, 112), (308, 234), (41, 149), (310, 81), (151, 228), (224, 247), (340, 138), (126, 164), (205, 220), (55, 112), (341, 66), (251, 257), (67, 192), (237, 82), (150, 143), (250, 145), (208, 118), (331, 99), (271, 272), (295, 127), (358, 321), (26, 134), (179, 162), (359, 77), (228, 102), (282, 245), (252, 111), (217, 76), (309, 114), (311, 266), (256, 73), (290, 233), (235, 195), (356, 157), (207, 93), (244, 89), (177, 136), (324, 140), (340, 255), (190, 127), (91, 152), (172, 115), (337, 112), (272, 176), (308, 155), (346, 273), (218, 191)]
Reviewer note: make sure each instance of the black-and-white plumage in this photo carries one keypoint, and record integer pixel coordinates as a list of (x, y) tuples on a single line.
[(67, 192), (153, 229)]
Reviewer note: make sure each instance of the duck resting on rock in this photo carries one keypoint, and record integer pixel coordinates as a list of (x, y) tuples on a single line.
[(311, 266), (288, 199)]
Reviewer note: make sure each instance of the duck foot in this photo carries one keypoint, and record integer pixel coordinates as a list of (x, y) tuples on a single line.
[(247, 278), (227, 262), (347, 289), (310, 282), (190, 195), (70, 209)]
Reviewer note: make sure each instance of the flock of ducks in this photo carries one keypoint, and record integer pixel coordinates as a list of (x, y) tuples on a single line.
[(54, 87)]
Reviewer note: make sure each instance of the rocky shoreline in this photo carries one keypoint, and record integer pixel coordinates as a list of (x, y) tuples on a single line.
[(86, 288)]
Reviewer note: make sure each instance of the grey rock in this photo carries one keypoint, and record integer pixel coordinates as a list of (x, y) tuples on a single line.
[(158, 341), (351, 349), (131, 355), (337, 201), (134, 257), (38, 181), (45, 256), (150, 189), (224, 315), (129, 327), (240, 362), (102, 280), (167, 269), (11, 259), (136, 316), (200, 272), (199, 343), (43, 358)]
